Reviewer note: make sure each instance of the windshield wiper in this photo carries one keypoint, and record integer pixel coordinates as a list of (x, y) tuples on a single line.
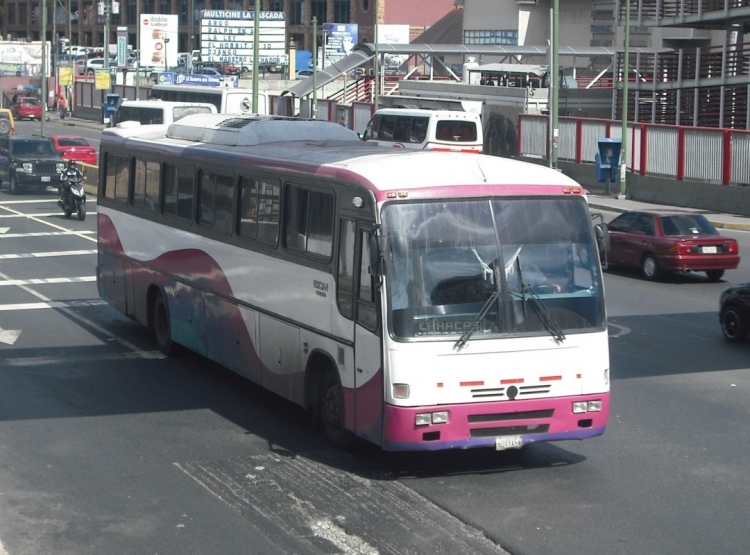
[(461, 343), (539, 306)]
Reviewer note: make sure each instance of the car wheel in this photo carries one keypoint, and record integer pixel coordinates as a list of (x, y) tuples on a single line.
[(4, 127), (650, 267), (734, 324), (332, 412), (714, 275), (13, 185)]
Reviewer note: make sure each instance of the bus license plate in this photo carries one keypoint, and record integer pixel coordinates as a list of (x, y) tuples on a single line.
[(46, 178), (508, 442)]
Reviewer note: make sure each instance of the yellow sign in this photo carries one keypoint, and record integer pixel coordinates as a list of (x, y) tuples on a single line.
[(66, 76), (102, 80)]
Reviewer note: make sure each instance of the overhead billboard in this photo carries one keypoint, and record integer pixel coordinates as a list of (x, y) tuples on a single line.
[(393, 34), (159, 40), (227, 37), (22, 58)]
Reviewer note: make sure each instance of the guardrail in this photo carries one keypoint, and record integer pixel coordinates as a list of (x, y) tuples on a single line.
[(704, 154)]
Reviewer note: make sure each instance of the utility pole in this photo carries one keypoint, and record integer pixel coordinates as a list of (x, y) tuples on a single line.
[(554, 88), (625, 72), (314, 107), (256, 54), (107, 10), (44, 69)]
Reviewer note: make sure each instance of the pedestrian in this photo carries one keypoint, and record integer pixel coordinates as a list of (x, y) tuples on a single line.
[(62, 105)]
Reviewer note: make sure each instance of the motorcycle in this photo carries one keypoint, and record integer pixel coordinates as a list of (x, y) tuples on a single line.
[(73, 196)]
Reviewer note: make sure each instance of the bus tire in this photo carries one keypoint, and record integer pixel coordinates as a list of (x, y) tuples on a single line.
[(332, 409), (161, 327)]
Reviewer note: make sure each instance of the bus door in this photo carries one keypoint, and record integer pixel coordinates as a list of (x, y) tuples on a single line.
[(368, 360)]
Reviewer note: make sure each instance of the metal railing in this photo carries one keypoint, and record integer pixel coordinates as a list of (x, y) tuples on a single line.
[(704, 154)]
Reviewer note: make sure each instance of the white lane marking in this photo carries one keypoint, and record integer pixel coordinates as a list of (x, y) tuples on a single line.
[(45, 234), (45, 254), (2, 549), (39, 215), (9, 336), (81, 234), (49, 200), (22, 362), (48, 281), (66, 308), (624, 330), (49, 304), (4, 229)]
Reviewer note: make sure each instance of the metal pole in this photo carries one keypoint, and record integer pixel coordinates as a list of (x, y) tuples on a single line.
[(44, 69), (625, 71), (138, 47), (314, 107), (376, 63), (107, 10), (256, 54), (555, 83), (68, 95)]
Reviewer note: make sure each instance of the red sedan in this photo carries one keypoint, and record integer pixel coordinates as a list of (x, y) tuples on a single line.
[(27, 107), (73, 147), (659, 241)]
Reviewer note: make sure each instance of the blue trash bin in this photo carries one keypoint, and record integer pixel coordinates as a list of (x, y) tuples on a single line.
[(607, 161), (112, 101)]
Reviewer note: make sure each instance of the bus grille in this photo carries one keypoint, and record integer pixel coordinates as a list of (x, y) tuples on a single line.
[(524, 390), (510, 430), (522, 415)]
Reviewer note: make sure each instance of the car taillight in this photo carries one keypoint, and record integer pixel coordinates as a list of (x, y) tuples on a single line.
[(731, 247), (681, 248)]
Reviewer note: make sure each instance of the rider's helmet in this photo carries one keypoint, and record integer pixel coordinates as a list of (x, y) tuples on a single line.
[(71, 164)]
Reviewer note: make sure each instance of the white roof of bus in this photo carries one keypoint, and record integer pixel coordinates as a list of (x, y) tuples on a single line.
[(168, 103), (320, 143)]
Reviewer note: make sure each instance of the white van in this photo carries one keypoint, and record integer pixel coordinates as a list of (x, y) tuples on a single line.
[(423, 129), (154, 112)]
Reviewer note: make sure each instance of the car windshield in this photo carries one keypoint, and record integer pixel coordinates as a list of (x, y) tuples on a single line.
[(476, 266), (31, 102), (687, 224), (32, 147)]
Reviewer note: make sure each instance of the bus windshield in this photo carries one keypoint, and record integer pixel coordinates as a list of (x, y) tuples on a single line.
[(535, 258)]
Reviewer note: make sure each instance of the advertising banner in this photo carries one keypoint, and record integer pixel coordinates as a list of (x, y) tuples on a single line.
[(227, 37), (159, 42), (340, 39), (393, 34), (102, 80), (22, 59)]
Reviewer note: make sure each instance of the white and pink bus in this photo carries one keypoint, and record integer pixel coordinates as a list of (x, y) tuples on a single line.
[(419, 300)]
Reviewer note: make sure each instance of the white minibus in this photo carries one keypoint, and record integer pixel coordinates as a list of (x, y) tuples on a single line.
[(155, 112), (423, 129)]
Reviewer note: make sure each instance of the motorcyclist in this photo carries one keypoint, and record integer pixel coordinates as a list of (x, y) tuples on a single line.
[(70, 172)]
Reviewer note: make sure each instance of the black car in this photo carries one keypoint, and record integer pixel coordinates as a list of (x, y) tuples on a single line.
[(734, 312), (27, 162)]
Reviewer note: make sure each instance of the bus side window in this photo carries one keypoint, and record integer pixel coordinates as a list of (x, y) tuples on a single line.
[(117, 175), (345, 281), (367, 314), (146, 185)]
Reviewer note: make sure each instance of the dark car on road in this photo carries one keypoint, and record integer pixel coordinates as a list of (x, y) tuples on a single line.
[(660, 241), (27, 162), (734, 312)]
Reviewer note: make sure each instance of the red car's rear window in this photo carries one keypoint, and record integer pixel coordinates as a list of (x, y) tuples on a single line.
[(72, 141)]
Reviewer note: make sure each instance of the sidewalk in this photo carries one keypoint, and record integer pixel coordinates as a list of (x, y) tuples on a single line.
[(719, 220)]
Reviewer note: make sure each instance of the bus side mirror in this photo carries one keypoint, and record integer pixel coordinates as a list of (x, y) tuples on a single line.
[(602, 237), (377, 263)]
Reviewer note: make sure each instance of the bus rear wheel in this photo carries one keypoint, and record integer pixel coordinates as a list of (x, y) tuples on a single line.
[(161, 326), (332, 409)]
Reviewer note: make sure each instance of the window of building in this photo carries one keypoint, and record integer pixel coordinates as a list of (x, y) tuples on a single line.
[(276, 5), (182, 11), (296, 13), (318, 10), (148, 6), (507, 37), (341, 11), (11, 14), (131, 12), (146, 185), (22, 14), (165, 6)]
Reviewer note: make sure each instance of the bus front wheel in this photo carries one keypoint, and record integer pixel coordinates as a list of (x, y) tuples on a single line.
[(332, 413), (161, 326)]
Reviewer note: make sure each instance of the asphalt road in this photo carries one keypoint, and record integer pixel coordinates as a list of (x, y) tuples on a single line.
[(107, 447)]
